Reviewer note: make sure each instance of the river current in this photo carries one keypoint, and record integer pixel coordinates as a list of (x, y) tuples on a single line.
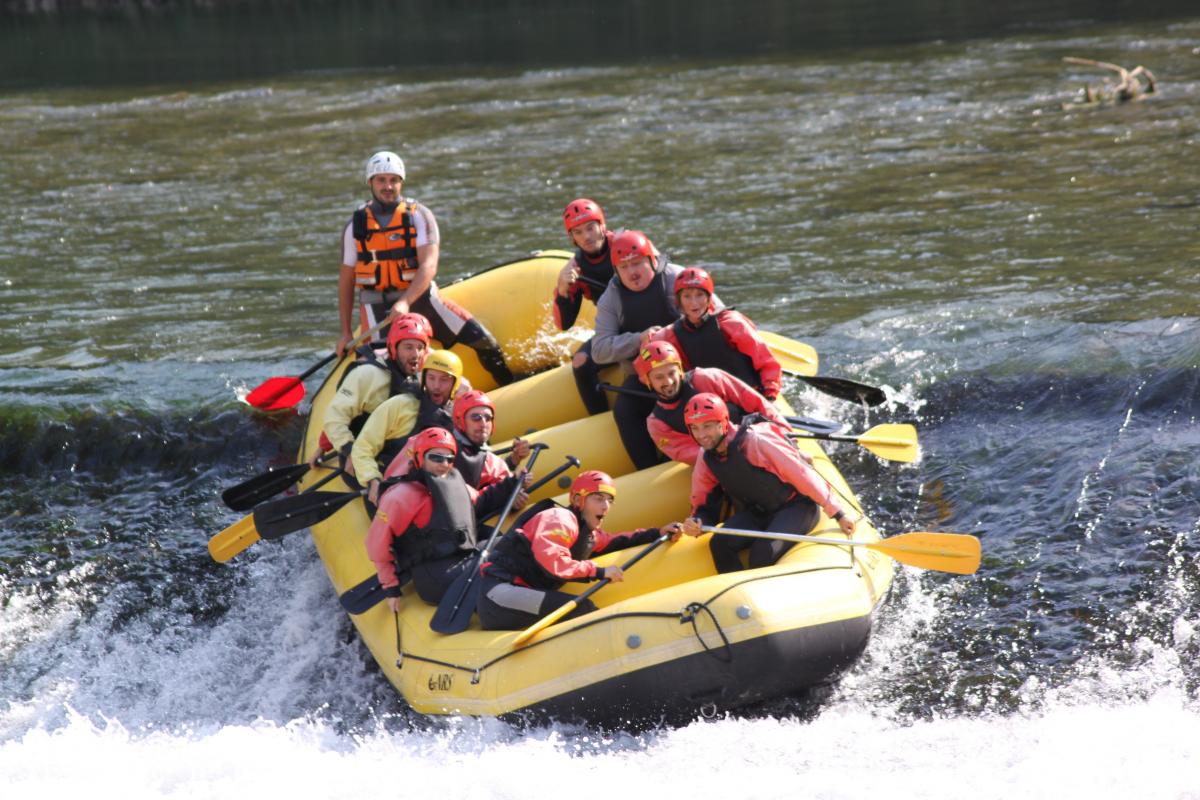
[(1019, 277)]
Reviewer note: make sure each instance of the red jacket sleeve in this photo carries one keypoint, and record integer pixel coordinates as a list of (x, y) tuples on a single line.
[(677, 446), (551, 534), (743, 336), (494, 470), (733, 390), (767, 449), (400, 506)]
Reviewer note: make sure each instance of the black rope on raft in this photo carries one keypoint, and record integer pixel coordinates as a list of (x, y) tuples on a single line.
[(689, 615)]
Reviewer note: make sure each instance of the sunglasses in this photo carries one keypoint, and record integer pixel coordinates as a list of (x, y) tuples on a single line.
[(480, 417), (437, 458)]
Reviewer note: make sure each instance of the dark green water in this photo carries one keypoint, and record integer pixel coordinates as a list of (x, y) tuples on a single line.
[(1021, 279)]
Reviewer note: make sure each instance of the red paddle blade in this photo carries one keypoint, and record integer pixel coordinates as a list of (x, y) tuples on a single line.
[(277, 394)]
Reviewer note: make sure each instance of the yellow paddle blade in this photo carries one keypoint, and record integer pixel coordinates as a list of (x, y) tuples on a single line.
[(946, 552), (793, 356), (891, 441), (234, 539), (543, 623)]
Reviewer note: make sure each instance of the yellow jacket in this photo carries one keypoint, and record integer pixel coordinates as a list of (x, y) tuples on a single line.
[(393, 418), (364, 390)]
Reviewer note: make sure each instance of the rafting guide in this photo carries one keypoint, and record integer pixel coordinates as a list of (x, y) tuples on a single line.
[(390, 251)]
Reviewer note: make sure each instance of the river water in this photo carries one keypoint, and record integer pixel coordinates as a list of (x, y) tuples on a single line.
[(1021, 279)]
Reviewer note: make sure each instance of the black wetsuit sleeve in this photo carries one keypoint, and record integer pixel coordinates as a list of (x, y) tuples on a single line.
[(624, 540), (568, 307), (491, 499)]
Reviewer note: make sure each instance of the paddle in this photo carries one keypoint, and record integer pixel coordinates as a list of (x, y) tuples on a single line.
[(454, 612), (283, 392), (243, 533), (845, 389), (895, 442), (959, 553), (807, 423), (560, 612), (278, 518), (249, 493), (369, 592)]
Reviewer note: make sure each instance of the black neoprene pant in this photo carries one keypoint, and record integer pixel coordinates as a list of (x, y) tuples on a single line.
[(630, 415), (586, 378), (798, 516), (496, 616)]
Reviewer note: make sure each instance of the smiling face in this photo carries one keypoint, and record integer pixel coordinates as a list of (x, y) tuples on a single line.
[(636, 273), (438, 385), (589, 237), (438, 462), (594, 508), (709, 434), (410, 354), (693, 303), (478, 424), (386, 187), (666, 381)]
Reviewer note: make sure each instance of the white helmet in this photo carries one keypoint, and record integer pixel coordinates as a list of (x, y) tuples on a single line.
[(385, 162)]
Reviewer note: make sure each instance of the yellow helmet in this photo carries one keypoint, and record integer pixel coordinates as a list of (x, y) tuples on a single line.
[(444, 361)]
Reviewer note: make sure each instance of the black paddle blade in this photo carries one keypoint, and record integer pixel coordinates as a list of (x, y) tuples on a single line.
[(453, 614), (247, 494), (363, 597), (281, 517), (846, 389), (814, 425)]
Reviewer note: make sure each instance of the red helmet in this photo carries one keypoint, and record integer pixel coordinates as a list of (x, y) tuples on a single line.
[(706, 407), (580, 211), (630, 245), (468, 400), (431, 439), (655, 355), (591, 481), (408, 326), (694, 278)]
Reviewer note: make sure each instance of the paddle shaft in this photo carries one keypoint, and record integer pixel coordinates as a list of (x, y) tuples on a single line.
[(944, 552), (560, 612), (892, 441), (287, 387), (473, 573), (249, 493)]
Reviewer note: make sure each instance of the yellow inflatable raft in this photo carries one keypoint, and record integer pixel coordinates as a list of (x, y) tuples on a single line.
[(674, 637)]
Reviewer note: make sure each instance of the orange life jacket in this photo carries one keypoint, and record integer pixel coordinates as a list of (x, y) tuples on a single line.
[(387, 257)]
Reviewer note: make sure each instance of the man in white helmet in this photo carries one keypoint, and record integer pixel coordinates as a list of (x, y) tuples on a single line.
[(390, 254)]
